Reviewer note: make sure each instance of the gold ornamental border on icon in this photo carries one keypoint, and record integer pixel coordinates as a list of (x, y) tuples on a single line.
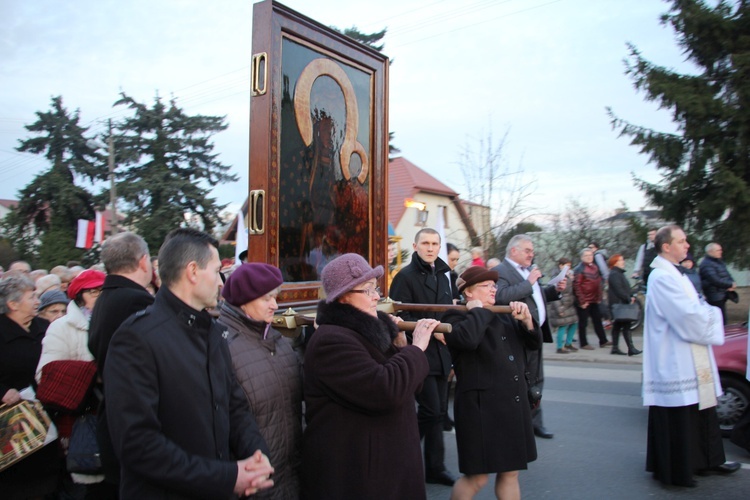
[(327, 67)]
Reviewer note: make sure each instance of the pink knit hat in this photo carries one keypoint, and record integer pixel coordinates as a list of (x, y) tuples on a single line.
[(344, 273)]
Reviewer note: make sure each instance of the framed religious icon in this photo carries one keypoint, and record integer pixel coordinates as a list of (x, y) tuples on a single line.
[(318, 149)]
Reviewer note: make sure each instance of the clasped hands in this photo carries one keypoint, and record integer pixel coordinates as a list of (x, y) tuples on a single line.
[(253, 474)]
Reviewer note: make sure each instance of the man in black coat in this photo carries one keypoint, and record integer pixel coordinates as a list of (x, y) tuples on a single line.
[(715, 278), (519, 281), (179, 420), (424, 281), (128, 264)]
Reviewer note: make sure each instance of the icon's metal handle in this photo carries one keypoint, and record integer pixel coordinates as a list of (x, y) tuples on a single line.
[(260, 74), (257, 212)]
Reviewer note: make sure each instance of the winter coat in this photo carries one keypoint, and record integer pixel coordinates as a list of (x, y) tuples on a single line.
[(178, 418), (587, 284), (67, 339), (715, 279), (694, 277), (35, 475), (361, 439), (121, 297), (619, 288), (563, 312), (270, 374), (494, 432), (19, 352), (419, 283)]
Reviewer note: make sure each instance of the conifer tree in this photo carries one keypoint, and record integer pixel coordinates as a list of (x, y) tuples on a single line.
[(170, 168), (705, 166), (44, 224)]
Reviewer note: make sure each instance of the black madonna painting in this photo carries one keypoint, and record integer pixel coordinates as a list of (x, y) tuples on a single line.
[(325, 161)]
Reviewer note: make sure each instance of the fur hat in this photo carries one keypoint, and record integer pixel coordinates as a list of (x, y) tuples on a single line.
[(344, 273), (250, 281), (474, 275), (52, 297), (84, 281)]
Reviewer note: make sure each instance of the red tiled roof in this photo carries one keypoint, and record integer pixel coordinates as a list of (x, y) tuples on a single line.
[(9, 203), (405, 180)]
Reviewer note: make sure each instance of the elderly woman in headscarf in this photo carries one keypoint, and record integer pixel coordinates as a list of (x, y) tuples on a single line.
[(494, 433), (267, 368), (361, 439), (21, 334)]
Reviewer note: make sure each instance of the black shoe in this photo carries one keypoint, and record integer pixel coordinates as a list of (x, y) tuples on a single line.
[(617, 351), (543, 433), (634, 352), (443, 477), (724, 469)]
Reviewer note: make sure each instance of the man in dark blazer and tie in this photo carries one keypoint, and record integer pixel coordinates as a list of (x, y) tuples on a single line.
[(519, 281)]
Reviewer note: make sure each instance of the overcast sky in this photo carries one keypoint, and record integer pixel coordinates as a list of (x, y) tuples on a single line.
[(543, 69)]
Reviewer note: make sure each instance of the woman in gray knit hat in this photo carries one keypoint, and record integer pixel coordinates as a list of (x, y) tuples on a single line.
[(361, 439)]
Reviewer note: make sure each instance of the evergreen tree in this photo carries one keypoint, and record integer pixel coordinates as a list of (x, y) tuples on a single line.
[(705, 166), (44, 224), (171, 168), (371, 40)]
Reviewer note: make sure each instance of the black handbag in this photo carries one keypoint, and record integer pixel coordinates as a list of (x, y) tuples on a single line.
[(625, 312), (83, 451)]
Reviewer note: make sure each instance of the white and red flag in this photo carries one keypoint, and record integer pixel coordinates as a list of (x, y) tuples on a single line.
[(90, 231)]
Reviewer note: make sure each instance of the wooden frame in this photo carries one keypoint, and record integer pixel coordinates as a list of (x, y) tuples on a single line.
[(318, 149)]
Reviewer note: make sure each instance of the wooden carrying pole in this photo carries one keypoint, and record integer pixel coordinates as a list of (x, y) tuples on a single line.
[(398, 306)]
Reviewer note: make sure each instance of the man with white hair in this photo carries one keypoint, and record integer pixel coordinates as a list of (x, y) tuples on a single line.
[(519, 281), (715, 278)]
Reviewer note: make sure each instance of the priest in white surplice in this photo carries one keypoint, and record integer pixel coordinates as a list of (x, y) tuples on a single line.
[(680, 380)]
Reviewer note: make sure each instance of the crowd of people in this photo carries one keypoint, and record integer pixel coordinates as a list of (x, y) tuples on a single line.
[(197, 395)]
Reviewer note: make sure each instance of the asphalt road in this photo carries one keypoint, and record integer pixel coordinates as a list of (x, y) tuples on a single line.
[(592, 403)]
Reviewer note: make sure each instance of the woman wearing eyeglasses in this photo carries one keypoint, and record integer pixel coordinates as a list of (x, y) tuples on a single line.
[(67, 340), (494, 433), (361, 439), (68, 337), (267, 368)]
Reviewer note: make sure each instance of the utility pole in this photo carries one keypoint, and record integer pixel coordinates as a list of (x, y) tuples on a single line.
[(112, 190)]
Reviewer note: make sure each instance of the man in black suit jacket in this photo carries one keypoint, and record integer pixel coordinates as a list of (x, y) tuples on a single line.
[(424, 281), (126, 258), (519, 281)]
